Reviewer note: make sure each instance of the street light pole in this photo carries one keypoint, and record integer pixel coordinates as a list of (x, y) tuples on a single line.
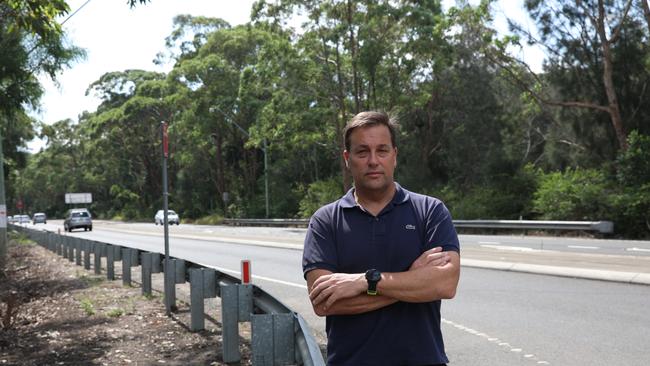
[(266, 170), (266, 180), (3, 213)]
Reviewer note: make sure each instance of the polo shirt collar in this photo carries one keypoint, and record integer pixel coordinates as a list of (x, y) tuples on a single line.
[(401, 196)]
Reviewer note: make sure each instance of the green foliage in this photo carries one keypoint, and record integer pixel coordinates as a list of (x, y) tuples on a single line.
[(115, 313), (633, 164), (87, 306), (213, 219), (499, 198), (318, 194), (576, 194)]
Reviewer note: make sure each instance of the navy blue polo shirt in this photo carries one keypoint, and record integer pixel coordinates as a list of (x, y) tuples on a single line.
[(344, 238)]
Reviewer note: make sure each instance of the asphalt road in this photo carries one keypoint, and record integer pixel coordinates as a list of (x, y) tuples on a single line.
[(498, 317)]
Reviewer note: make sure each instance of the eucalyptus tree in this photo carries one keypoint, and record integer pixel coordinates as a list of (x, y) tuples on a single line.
[(122, 140), (596, 51)]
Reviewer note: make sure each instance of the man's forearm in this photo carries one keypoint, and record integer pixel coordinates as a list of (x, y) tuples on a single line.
[(354, 305), (428, 283)]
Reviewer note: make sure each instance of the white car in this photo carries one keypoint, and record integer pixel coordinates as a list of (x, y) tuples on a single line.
[(172, 217), (23, 219)]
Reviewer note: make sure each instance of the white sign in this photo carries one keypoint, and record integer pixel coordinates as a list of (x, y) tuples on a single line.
[(3, 216), (78, 198)]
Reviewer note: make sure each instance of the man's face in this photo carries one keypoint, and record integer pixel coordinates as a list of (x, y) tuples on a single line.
[(372, 158)]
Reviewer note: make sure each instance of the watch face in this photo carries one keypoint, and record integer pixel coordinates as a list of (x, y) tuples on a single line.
[(373, 275)]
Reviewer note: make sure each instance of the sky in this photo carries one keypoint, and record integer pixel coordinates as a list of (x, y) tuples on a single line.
[(118, 38)]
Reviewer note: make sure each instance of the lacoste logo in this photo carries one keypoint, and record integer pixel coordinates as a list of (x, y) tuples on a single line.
[(410, 227)]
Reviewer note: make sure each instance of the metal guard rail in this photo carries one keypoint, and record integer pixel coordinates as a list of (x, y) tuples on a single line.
[(306, 348), (605, 227)]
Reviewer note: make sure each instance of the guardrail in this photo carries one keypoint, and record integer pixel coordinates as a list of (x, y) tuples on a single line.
[(604, 227), (279, 336)]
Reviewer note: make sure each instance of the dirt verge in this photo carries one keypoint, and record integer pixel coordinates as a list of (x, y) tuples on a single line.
[(53, 312)]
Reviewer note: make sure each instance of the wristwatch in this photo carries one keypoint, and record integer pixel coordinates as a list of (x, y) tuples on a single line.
[(372, 276)]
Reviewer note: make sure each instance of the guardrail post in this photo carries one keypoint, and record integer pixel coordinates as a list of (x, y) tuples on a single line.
[(126, 266), (245, 304), (71, 243), (230, 324), (273, 339), (146, 273), (87, 246), (169, 268), (179, 267), (197, 305), (110, 262), (77, 252), (98, 257), (156, 263), (51, 243), (209, 283)]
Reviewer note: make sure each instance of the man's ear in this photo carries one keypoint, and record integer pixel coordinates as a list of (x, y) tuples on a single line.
[(346, 156)]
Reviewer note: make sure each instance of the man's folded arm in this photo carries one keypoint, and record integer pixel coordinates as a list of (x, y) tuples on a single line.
[(358, 304)]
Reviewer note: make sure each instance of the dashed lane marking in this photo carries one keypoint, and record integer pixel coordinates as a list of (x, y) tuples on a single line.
[(582, 247), (498, 342), (635, 249), (512, 248)]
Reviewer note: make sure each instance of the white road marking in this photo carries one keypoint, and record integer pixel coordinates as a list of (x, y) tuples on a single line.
[(497, 341), (635, 249), (581, 247), (263, 278), (512, 248), (489, 242)]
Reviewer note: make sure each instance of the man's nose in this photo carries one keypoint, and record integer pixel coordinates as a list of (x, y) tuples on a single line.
[(373, 158)]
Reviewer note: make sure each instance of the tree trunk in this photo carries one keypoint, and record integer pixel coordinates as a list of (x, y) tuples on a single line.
[(353, 55), (646, 12), (608, 80)]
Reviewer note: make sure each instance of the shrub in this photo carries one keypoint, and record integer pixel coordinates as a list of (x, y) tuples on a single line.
[(573, 195), (318, 194)]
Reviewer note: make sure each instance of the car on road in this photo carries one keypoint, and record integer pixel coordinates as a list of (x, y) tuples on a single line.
[(23, 219), (172, 217), (10, 219), (78, 218), (39, 217)]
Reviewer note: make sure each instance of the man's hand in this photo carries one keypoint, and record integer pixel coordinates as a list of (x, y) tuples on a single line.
[(433, 257), (327, 289)]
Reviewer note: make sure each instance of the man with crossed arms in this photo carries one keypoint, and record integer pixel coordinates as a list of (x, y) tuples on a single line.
[(379, 260)]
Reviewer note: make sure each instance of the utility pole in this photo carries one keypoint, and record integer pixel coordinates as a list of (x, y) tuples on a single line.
[(3, 213)]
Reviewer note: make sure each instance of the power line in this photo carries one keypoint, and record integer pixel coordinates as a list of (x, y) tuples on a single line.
[(75, 12)]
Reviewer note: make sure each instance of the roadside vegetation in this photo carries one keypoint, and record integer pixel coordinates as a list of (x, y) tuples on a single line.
[(481, 129)]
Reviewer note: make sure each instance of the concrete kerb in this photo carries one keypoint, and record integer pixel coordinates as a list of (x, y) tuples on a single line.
[(585, 273)]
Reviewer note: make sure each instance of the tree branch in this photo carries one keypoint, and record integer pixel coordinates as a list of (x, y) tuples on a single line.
[(617, 30)]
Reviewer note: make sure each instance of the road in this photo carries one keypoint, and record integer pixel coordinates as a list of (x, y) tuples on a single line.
[(498, 317)]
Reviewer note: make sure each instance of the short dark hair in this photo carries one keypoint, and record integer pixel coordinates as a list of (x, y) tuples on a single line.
[(371, 118)]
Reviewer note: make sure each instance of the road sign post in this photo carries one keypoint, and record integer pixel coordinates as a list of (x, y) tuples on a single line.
[(170, 290)]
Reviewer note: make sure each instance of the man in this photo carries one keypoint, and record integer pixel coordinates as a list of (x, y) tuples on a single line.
[(379, 260)]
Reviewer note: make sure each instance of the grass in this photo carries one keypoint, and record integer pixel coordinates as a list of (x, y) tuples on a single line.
[(89, 280), (19, 238), (115, 313), (87, 306)]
